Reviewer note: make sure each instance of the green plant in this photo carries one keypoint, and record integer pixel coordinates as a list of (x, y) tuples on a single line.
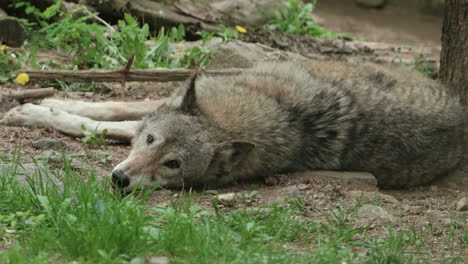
[(248, 197), (93, 137), (5, 157), (102, 46), (104, 157), (205, 36), (295, 18), (80, 220), (422, 67), (228, 33), (11, 61)]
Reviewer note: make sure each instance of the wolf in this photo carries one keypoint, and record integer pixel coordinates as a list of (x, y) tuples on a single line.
[(281, 117), (276, 117)]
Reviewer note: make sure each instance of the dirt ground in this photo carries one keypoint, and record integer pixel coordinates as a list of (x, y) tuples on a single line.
[(400, 22), (425, 208)]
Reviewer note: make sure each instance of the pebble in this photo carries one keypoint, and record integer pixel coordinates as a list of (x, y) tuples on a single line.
[(47, 143), (462, 205), (227, 198), (451, 222), (158, 260), (373, 212), (372, 196), (293, 191), (414, 209)]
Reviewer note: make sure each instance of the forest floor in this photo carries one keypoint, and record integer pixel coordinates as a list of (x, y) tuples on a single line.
[(428, 216)]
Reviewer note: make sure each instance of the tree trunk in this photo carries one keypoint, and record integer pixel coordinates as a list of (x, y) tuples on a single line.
[(454, 66), (454, 55)]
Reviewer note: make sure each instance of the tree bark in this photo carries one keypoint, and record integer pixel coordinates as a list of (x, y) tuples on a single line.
[(454, 55), (12, 32)]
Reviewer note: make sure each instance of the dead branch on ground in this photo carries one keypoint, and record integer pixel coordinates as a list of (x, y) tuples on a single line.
[(32, 93), (121, 75)]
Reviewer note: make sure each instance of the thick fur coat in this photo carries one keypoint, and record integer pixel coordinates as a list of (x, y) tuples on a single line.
[(282, 117)]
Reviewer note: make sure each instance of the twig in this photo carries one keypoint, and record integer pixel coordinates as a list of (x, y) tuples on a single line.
[(129, 63), (32, 93), (126, 69), (118, 75), (99, 19)]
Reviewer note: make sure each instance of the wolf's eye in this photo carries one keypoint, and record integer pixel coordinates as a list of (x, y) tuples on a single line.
[(149, 139), (172, 164)]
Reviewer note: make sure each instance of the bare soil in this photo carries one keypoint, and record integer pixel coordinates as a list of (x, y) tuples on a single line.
[(400, 22), (425, 209)]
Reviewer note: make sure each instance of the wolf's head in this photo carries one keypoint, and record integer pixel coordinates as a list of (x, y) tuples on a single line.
[(177, 146)]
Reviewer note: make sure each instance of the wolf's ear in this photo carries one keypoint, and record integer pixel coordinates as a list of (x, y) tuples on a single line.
[(228, 154), (225, 158), (189, 99)]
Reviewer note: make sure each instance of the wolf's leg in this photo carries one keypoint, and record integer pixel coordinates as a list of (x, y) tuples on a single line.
[(41, 116), (105, 111)]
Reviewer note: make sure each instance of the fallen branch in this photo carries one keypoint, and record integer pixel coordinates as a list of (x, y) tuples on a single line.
[(32, 93), (121, 75)]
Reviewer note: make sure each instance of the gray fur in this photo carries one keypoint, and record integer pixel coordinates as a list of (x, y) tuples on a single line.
[(293, 116)]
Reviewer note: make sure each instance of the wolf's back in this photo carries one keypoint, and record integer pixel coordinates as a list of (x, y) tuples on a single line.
[(402, 127)]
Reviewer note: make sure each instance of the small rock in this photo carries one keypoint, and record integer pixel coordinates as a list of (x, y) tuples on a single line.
[(236, 54), (302, 186), (451, 222), (293, 191), (242, 12), (47, 143), (462, 205), (371, 3), (22, 171), (239, 54), (372, 196), (346, 176), (158, 260), (414, 209), (212, 192), (26, 172), (319, 196), (3, 13), (373, 212), (227, 198)]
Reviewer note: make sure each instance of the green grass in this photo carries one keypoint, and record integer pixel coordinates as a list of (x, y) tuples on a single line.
[(296, 18), (93, 137), (89, 44), (84, 221)]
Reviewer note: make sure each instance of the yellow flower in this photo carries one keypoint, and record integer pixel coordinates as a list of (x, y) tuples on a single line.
[(241, 29), (3, 47), (22, 78)]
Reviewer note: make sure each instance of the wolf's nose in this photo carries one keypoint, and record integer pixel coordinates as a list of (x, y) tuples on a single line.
[(119, 179)]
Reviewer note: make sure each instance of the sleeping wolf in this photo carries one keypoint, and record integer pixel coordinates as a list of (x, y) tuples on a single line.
[(281, 117)]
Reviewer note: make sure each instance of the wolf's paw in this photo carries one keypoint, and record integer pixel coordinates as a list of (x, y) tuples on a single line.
[(26, 115)]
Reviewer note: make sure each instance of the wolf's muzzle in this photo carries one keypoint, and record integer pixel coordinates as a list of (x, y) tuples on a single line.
[(119, 179)]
